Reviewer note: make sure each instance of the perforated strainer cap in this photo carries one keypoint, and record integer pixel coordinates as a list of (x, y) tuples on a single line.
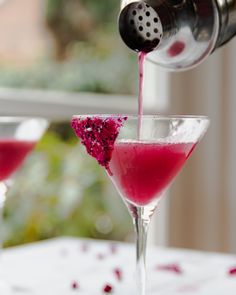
[(140, 27)]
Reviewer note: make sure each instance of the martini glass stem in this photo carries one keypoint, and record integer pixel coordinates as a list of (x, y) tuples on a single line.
[(141, 219), (3, 191)]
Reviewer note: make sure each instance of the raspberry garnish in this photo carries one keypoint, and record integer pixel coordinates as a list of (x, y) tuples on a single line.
[(118, 274), (171, 267), (107, 288), (98, 135), (232, 271), (74, 285)]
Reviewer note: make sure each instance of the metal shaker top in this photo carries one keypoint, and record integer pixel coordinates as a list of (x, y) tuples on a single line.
[(140, 27), (176, 34)]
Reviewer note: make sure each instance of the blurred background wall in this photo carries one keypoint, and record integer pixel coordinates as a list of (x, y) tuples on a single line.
[(22, 31), (203, 214)]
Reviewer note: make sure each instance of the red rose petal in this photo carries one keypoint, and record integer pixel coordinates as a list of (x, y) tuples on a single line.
[(107, 288), (171, 268), (232, 271), (74, 285), (118, 274)]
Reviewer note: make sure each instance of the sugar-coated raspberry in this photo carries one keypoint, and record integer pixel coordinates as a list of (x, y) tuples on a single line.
[(98, 135)]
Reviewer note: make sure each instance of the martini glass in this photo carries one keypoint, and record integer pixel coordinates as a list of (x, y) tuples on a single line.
[(143, 161), (18, 137)]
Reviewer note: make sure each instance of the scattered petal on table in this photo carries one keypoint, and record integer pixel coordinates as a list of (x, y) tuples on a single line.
[(175, 268), (232, 271)]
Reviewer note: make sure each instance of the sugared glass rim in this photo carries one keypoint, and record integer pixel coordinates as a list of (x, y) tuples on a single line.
[(132, 116)]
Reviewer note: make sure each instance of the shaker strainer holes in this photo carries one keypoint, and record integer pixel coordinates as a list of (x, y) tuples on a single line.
[(132, 22), (155, 19), (148, 34), (140, 28), (134, 12), (147, 13), (140, 17), (147, 6), (155, 30), (148, 24), (140, 6)]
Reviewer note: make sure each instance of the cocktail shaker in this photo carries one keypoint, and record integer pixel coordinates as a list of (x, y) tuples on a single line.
[(177, 34)]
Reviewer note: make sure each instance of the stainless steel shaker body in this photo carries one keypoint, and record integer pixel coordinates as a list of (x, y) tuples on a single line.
[(177, 34)]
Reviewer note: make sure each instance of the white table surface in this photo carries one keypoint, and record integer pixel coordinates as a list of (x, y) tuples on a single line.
[(51, 267)]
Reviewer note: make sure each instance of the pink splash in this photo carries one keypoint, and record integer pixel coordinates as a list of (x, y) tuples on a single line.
[(98, 135)]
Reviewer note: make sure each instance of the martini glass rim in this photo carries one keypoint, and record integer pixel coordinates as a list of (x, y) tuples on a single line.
[(155, 117)]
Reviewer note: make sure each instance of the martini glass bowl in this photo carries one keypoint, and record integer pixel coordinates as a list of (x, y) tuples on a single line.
[(148, 153), (18, 137)]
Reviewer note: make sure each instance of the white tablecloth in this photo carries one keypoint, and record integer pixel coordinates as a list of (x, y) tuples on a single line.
[(54, 267)]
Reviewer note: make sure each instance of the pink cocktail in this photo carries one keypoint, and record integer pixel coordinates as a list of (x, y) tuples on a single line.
[(12, 154), (142, 155), (142, 171), (18, 137)]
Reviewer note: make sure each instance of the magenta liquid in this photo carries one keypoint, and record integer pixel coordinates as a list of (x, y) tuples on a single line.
[(141, 171), (12, 154), (141, 60)]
